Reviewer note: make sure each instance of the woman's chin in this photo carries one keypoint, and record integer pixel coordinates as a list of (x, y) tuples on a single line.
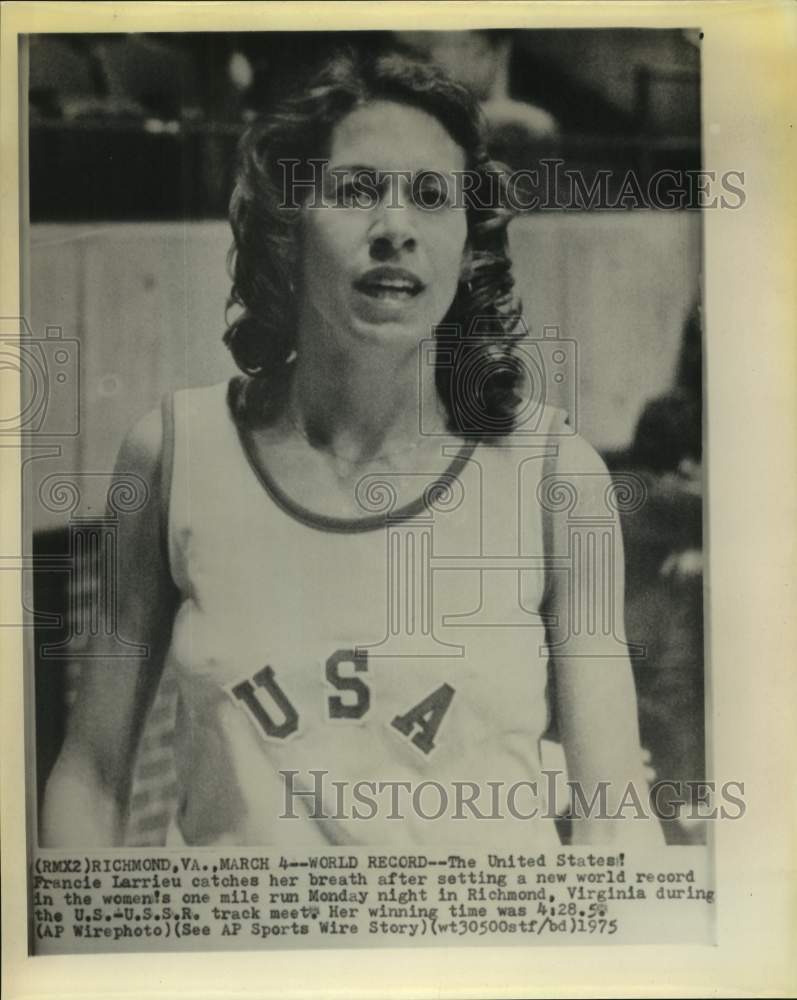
[(392, 330)]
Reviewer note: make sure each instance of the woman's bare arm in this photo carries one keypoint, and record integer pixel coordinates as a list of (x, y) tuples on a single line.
[(595, 695), (86, 796)]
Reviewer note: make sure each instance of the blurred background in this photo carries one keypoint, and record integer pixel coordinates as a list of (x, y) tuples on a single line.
[(131, 145), (167, 109)]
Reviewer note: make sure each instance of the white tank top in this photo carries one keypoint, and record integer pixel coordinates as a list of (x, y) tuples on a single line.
[(317, 655)]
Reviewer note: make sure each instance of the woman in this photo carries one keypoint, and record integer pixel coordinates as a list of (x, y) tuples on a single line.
[(312, 562)]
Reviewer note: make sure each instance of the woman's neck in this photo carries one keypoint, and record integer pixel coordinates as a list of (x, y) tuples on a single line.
[(364, 404)]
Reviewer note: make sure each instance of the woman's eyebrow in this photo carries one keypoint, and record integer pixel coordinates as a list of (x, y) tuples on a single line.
[(351, 168), (358, 168)]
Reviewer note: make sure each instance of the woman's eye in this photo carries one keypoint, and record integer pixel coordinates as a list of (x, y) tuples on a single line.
[(357, 191), (431, 191)]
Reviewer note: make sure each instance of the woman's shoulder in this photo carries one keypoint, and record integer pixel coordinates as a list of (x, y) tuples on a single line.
[(198, 399), (566, 450), (575, 454), (574, 474), (143, 444)]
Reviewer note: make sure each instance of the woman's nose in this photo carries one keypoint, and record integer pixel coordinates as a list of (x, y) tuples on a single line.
[(392, 230), (385, 245)]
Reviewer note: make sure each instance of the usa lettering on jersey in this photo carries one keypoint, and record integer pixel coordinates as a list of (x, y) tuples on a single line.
[(275, 717)]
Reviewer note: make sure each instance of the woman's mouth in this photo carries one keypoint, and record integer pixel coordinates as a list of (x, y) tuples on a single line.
[(393, 284)]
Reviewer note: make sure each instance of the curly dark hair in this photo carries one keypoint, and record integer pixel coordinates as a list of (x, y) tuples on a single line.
[(481, 386)]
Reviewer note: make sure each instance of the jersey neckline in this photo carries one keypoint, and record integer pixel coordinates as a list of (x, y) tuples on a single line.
[(326, 522)]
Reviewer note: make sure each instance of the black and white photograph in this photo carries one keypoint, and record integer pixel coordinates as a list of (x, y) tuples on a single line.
[(365, 524), (377, 536)]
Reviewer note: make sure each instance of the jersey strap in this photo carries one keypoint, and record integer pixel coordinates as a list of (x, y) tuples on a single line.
[(556, 429)]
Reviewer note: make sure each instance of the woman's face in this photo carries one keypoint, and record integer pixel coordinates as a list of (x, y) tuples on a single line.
[(379, 264)]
